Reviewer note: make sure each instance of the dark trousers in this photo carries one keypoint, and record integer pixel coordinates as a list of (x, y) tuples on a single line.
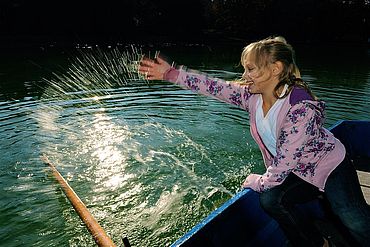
[(342, 191)]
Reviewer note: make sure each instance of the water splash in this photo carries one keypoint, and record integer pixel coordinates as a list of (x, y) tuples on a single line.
[(82, 88), (94, 72)]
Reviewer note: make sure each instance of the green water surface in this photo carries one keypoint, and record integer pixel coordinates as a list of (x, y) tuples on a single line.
[(150, 160)]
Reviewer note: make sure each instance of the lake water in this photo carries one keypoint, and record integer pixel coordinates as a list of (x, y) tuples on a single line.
[(150, 160)]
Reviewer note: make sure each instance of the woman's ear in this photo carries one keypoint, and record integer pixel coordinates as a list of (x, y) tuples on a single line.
[(277, 68)]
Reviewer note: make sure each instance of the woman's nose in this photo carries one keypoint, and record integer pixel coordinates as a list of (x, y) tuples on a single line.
[(245, 75)]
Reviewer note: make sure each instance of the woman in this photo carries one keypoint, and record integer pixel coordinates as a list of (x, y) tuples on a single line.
[(302, 158)]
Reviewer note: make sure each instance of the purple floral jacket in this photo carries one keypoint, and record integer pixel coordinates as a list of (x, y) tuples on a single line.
[(303, 145)]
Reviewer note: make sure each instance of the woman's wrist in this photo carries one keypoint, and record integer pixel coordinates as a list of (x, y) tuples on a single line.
[(171, 74)]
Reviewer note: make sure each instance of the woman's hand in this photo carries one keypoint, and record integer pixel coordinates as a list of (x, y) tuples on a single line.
[(250, 180), (245, 183), (153, 69)]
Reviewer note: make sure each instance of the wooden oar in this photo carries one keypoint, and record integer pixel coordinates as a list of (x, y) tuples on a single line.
[(98, 233)]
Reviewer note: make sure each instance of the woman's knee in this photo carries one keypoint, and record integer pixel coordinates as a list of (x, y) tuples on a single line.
[(355, 218), (270, 201)]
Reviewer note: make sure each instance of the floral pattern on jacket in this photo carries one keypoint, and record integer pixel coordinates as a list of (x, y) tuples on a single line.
[(300, 145), (302, 141), (230, 92)]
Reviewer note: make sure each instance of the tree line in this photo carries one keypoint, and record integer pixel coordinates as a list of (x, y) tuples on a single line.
[(303, 20)]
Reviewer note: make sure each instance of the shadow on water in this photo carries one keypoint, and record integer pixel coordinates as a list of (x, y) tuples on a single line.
[(149, 159)]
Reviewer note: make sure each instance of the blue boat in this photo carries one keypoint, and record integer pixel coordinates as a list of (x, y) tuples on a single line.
[(241, 221)]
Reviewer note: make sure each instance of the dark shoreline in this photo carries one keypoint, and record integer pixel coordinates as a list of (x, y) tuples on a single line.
[(36, 41)]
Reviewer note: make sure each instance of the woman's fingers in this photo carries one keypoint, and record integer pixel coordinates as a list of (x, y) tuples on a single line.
[(150, 71), (147, 62), (144, 69), (160, 60), (145, 66)]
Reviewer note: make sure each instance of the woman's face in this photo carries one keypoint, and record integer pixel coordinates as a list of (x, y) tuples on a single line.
[(260, 80)]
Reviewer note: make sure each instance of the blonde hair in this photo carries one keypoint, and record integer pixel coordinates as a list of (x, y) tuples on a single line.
[(273, 49)]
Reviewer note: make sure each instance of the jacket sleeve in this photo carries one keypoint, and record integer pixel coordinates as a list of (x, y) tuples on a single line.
[(302, 125), (230, 92)]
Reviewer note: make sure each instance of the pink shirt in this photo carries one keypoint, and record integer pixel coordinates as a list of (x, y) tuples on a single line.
[(303, 145)]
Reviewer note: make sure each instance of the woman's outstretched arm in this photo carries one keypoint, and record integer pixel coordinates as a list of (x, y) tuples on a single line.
[(231, 92)]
